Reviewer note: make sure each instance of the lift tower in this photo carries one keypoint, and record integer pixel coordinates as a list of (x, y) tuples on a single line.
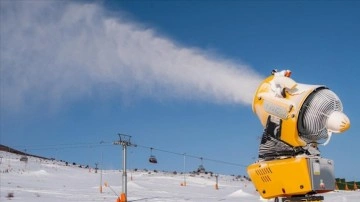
[(124, 140)]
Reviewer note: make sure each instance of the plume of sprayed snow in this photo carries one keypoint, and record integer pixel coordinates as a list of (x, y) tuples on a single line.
[(55, 52)]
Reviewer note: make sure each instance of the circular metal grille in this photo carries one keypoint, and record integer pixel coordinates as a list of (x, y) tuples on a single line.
[(314, 114)]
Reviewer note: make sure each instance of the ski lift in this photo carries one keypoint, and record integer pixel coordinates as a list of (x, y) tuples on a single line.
[(152, 158), (201, 168), (24, 158)]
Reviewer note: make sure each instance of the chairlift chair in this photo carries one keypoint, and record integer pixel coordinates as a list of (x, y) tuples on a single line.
[(24, 158), (201, 169), (152, 158)]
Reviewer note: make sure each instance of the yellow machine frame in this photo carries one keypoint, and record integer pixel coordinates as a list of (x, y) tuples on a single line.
[(293, 176)]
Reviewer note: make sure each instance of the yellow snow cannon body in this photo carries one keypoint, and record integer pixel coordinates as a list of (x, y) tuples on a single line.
[(295, 117)]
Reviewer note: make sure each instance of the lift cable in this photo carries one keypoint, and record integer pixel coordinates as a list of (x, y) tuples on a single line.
[(64, 146), (192, 156), (104, 143)]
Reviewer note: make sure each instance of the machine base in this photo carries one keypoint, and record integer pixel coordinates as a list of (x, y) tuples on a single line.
[(293, 176)]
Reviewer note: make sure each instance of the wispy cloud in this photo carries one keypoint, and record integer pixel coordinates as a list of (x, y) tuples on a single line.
[(56, 52)]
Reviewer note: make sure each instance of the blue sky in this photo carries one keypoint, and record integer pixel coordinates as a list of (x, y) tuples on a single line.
[(177, 76)]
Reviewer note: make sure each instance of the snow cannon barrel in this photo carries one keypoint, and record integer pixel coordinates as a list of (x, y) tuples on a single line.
[(301, 113)]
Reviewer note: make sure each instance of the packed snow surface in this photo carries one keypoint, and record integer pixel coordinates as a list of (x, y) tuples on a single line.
[(47, 180)]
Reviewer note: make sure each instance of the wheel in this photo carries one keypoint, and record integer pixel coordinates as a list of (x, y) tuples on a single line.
[(276, 199)]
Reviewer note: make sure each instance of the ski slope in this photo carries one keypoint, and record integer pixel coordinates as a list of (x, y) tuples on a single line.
[(46, 180)]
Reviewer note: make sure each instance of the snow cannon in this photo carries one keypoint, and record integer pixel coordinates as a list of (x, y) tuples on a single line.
[(297, 118)]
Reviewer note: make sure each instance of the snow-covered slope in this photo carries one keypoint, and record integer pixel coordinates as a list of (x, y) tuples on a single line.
[(46, 180)]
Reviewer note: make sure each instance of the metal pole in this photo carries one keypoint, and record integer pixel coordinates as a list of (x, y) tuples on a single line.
[(184, 170), (217, 180), (101, 167), (101, 172), (124, 141), (124, 178)]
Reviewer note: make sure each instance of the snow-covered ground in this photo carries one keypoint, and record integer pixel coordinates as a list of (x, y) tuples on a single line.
[(45, 180)]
